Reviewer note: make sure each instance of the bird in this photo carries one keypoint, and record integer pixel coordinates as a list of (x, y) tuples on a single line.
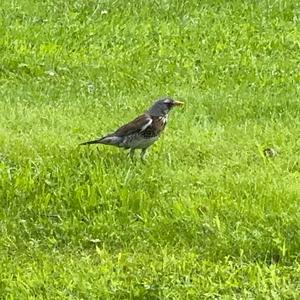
[(141, 132)]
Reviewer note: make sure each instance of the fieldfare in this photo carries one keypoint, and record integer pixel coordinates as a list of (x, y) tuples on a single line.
[(143, 131)]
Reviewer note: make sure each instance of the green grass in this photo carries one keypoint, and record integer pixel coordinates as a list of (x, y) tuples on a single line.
[(208, 216)]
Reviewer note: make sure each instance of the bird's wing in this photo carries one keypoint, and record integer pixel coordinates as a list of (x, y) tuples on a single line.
[(139, 124)]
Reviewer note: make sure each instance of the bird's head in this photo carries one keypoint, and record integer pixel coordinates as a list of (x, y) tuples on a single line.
[(163, 106)]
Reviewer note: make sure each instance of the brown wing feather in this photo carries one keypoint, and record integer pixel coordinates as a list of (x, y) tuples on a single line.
[(133, 127)]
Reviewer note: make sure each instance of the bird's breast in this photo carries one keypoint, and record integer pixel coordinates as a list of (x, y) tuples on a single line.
[(157, 126)]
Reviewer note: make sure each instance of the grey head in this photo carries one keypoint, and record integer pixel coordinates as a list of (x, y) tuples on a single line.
[(162, 107)]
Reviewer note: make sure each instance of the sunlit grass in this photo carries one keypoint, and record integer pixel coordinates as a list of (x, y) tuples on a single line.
[(208, 216)]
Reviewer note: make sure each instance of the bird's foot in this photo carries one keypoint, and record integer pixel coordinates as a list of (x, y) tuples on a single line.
[(143, 152), (131, 154)]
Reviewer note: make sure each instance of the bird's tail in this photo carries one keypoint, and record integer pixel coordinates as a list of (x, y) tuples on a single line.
[(107, 140), (90, 142)]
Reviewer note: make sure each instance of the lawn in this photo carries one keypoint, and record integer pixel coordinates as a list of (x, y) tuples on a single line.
[(208, 216)]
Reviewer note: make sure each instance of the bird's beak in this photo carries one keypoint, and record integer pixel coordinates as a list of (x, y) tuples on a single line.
[(178, 103)]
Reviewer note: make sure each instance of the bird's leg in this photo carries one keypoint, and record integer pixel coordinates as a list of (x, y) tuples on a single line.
[(131, 153), (143, 152)]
